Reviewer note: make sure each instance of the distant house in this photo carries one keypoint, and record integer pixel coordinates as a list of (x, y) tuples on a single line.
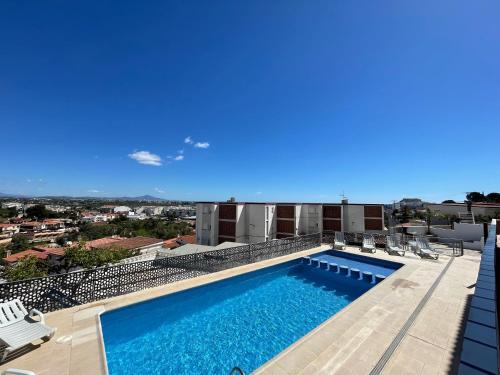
[(32, 226), (150, 210), (16, 205), (142, 244), (54, 255), (93, 217), (133, 216), (13, 258), (8, 230), (107, 208), (103, 242), (412, 203), (176, 242), (54, 224), (122, 210)]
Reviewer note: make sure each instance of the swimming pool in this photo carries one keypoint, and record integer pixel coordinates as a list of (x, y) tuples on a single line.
[(241, 321)]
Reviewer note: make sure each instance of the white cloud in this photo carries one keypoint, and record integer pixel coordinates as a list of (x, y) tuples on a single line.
[(93, 191), (28, 180), (179, 157), (146, 157), (258, 193), (188, 140), (202, 145), (181, 152), (158, 190)]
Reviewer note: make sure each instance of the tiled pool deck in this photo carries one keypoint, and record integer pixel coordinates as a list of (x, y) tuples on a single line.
[(361, 339)]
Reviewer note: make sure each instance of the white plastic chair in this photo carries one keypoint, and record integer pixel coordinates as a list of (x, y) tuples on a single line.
[(393, 247), (368, 243), (339, 242), (18, 328)]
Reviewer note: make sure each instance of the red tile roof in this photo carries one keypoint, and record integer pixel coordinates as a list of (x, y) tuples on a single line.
[(51, 250), (102, 242), (137, 242), (15, 257), (52, 221), (3, 225), (31, 223), (123, 243)]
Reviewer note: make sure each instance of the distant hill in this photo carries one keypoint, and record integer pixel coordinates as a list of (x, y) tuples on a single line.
[(4, 195), (149, 198), (141, 198)]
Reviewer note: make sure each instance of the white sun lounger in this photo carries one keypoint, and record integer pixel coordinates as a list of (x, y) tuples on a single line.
[(425, 250), (18, 328), (392, 246), (15, 371), (339, 242), (368, 243)]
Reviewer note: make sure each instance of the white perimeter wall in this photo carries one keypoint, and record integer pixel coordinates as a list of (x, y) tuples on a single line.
[(455, 209), (461, 231)]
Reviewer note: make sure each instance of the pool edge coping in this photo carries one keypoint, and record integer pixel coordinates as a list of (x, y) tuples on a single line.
[(219, 276)]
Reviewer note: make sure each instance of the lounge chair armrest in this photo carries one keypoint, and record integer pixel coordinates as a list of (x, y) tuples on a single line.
[(35, 312)]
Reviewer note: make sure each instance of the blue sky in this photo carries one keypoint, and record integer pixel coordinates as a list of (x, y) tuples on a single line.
[(281, 100)]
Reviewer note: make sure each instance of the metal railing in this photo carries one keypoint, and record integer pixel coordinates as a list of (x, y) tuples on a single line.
[(75, 288)]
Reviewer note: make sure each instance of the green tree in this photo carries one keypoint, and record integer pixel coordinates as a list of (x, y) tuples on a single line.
[(130, 228), (27, 267), (19, 243), (38, 211), (8, 212), (3, 251), (429, 216), (80, 256), (405, 214), (449, 201), (493, 197), (95, 231), (475, 196)]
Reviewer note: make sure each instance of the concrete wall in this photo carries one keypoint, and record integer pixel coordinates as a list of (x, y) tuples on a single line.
[(271, 221), (310, 219), (354, 218), (241, 232), (207, 222), (417, 230), (454, 209), (461, 231), (255, 223)]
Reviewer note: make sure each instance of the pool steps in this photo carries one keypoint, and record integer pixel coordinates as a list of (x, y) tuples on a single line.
[(355, 273)]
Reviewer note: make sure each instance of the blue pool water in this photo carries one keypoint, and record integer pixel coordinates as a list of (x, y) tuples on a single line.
[(242, 321)]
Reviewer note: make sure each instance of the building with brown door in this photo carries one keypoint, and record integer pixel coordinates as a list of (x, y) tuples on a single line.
[(251, 222)]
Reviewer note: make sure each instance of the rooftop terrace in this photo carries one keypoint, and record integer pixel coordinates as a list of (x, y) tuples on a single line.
[(411, 323)]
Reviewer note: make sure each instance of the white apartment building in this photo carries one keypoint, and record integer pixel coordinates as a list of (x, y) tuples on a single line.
[(218, 222)]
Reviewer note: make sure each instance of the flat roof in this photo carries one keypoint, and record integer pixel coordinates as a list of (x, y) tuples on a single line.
[(295, 203), (195, 248)]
